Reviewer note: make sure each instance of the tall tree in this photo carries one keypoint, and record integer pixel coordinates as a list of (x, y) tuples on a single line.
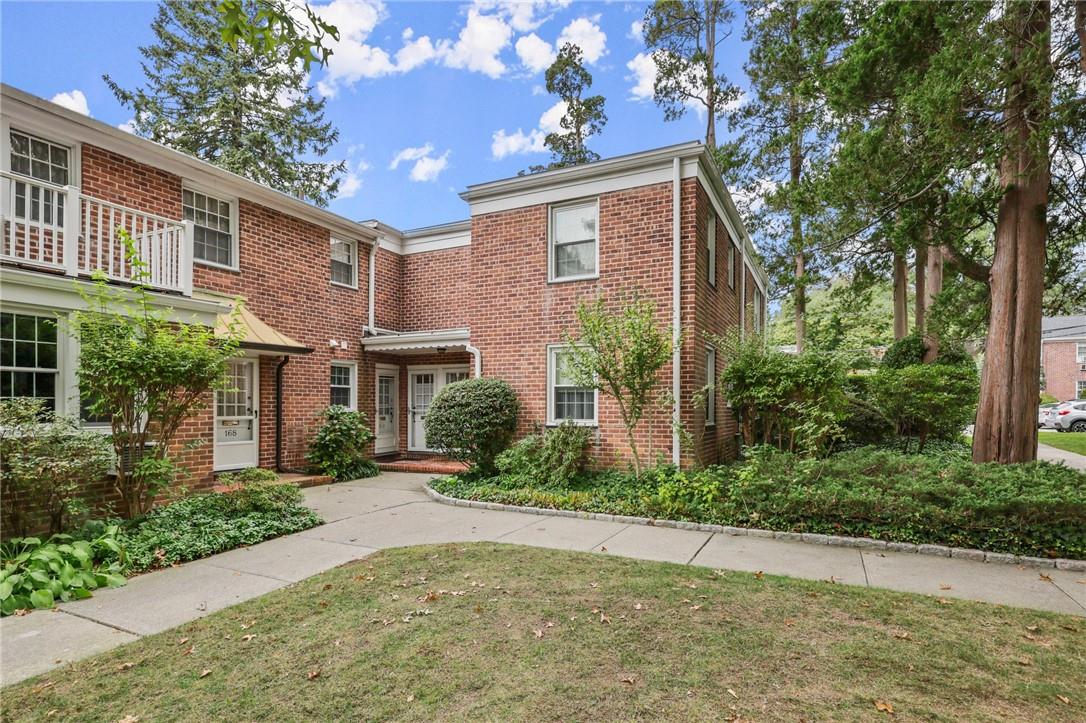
[(584, 117), (274, 27), (683, 36), (231, 104)]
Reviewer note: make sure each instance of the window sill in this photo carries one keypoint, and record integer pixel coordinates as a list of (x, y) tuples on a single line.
[(579, 423), (213, 265), (352, 287), (568, 279)]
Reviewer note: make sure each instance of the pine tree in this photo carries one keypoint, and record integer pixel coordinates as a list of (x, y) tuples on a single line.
[(242, 109), (584, 118)]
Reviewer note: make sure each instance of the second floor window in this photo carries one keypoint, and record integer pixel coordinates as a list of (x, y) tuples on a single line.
[(343, 263), (573, 241), (39, 158), (214, 233), (1080, 352)]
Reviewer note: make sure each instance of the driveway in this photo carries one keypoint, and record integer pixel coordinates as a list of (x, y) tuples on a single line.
[(393, 511)]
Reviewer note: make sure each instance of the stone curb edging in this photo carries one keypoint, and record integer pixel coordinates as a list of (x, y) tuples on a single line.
[(806, 537)]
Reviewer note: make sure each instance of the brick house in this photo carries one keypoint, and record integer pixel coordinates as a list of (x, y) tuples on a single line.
[(1063, 356), (360, 313)]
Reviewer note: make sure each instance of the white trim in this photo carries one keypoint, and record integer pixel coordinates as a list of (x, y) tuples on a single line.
[(354, 262), (676, 306), (217, 466), (578, 203), (439, 371), (75, 147), (710, 382), (397, 341), (235, 226), (352, 392), (66, 390), (710, 243), (552, 367), (372, 283), (379, 371), (731, 265)]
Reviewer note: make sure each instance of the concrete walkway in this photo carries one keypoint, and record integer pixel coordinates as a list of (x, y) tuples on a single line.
[(392, 511), (1053, 454)]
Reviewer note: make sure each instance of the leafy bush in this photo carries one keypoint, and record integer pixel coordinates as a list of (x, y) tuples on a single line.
[(37, 574), (203, 525), (904, 352), (939, 497), (548, 458), (249, 474), (46, 464), (923, 400), (473, 421), (339, 447)]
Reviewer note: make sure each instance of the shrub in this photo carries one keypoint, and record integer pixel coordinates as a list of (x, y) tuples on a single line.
[(37, 574), (249, 474), (46, 464), (473, 421), (203, 525), (904, 352), (339, 447), (923, 400), (554, 457)]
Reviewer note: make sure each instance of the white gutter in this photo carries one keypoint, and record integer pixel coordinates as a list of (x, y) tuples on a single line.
[(676, 301), (373, 285), (743, 289), (478, 356)]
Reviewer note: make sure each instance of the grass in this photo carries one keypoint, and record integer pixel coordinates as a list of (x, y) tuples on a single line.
[(511, 633), (1067, 441)]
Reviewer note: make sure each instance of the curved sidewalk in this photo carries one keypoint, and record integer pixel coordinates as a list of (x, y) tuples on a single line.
[(393, 511)]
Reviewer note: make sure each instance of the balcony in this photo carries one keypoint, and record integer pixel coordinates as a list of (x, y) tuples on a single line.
[(40, 230)]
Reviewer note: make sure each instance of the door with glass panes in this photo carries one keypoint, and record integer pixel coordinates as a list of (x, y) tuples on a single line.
[(423, 385), (387, 435), (236, 411)]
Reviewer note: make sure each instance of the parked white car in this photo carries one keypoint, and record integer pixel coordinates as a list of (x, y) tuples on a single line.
[(1042, 412), (1067, 417)]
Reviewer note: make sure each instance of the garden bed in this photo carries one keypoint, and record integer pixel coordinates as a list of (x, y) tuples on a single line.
[(1035, 510)]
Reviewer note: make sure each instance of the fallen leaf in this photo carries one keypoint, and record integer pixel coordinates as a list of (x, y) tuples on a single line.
[(313, 674), (943, 601), (182, 641), (903, 635), (944, 587), (246, 626), (605, 619), (638, 606), (603, 549), (695, 607), (205, 672), (1046, 578), (327, 586), (593, 584), (1064, 699), (125, 666), (733, 694), (189, 651), (884, 706), (629, 679), (538, 633), (250, 636), (43, 686), (759, 575), (788, 622), (1032, 628), (548, 625), (410, 697), (1025, 660), (127, 719)]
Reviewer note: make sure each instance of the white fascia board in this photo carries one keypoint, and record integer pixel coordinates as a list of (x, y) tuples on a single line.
[(437, 238), (1064, 339), (51, 120), (32, 288), (417, 339)]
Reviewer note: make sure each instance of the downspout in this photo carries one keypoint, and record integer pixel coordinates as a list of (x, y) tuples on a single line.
[(676, 301), (279, 413), (372, 284), (478, 357), (743, 288)]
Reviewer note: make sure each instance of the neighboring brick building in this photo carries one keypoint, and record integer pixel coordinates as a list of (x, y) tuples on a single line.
[(1063, 356), (361, 313)]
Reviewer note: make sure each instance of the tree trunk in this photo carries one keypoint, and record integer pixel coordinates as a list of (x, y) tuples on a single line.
[(795, 170), (933, 286), (1006, 429), (921, 270), (710, 74), (901, 296)]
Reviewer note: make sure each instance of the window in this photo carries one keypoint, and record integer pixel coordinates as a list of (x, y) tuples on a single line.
[(452, 377), (710, 384), (214, 233), (1080, 353), (28, 357), (342, 385), (1080, 390), (344, 263), (573, 240), (564, 399), (731, 265), (757, 309), (44, 161), (712, 247)]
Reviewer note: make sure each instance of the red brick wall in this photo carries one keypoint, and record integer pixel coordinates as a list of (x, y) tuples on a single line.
[(436, 290), (388, 272), (1061, 368)]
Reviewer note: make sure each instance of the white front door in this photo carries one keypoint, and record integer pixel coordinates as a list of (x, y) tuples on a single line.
[(236, 410), (388, 399), (423, 386)]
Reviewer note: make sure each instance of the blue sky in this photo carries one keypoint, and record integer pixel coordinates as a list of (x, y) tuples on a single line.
[(428, 96)]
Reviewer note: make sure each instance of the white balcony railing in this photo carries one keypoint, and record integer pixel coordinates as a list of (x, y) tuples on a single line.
[(59, 228)]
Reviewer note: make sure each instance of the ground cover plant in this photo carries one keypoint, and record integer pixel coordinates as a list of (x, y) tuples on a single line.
[(463, 632), (1036, 509), (1067, 441)]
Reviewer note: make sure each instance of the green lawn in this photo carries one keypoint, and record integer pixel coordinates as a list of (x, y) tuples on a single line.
[(1069, 441), (512, 633)]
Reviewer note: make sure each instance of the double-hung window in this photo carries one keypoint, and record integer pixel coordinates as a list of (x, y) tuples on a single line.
[(710, 387), (214, 233), (1080, 390), (44, 161), (28, 357), (711, 241), (344, 263), (1080, 353), (342, 385), (565, 399), (574, 241)]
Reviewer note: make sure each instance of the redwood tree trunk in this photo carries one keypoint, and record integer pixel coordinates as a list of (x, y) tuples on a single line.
[(920, 312), (901, 296), (933, 286), (1006, 429)]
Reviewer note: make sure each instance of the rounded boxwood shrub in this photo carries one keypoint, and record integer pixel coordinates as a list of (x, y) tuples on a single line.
[(473, 421)]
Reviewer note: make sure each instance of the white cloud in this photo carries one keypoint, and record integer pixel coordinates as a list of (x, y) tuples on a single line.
[(410, 154), (352, 59), (643, 74), (504, 144), (637, 31), (414, 53), (585, 33), (479, 45), (429, 168), (352, 182), (73, 100), (538, 90), (523, 15), (534, 52), (551, 120), (129, 126)]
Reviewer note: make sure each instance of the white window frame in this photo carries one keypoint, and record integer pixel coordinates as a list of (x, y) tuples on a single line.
[(235, 228), (552, 354), (75, 149), (1080, 389), (353, 386), (61, 381), (710, 384), (759, 300), (1080, 353), (353, 246), (551, 277), (731, 265), (711, 243)]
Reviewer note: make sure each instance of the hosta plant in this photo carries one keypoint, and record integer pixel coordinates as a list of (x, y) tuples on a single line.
[(37, 574)]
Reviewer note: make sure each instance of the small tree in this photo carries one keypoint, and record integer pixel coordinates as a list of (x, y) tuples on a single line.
[(584, 117), (473, 421), (148, 373), (620, 352)]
